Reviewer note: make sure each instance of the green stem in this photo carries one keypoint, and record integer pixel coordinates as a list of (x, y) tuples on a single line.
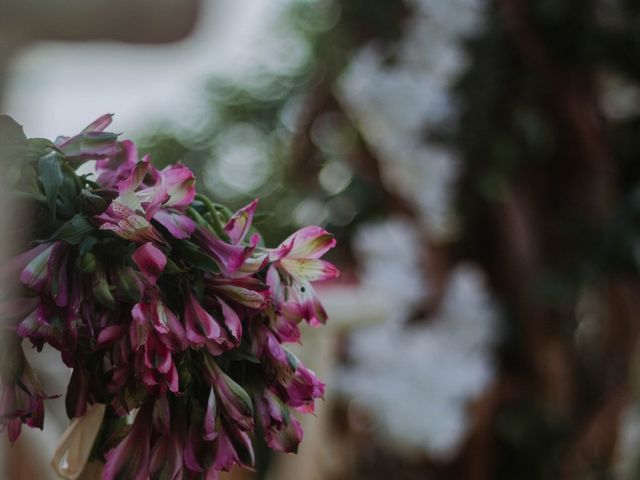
[(197, 217), (215, 217)]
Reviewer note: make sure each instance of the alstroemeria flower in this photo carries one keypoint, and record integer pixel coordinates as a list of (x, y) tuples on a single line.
[(286, 376), (179, 182), (155, 365), (282, 430), (49, 270), (176, 317), (152, 313), (230, 447), (21, 397), (35, 274), (166, 455), (150, 261), (239, 224), (247, 291), (296, 263), (236, 403), (233, 260), (202, 330), (131, 457), (114, 169), (178, 224), (92, 143), (124, 222)]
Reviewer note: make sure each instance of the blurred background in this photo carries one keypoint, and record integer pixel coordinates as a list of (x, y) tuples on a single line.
[(478, 162)]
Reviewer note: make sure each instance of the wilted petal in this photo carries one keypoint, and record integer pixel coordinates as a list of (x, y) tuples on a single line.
[(110, 334), (168, 324)]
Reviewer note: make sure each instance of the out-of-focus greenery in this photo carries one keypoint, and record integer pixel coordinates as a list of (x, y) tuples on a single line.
[(279, 134), (532, 94)]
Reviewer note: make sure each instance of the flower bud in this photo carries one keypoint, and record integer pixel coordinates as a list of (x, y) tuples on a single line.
[(88, 263)]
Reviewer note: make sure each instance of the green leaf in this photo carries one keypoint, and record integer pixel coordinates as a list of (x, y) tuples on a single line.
[(198, 258), (74, 231), (87, 244), (127, 284), (102, 290), (51, 177), (13, 142), (238, 354), (39, 147)]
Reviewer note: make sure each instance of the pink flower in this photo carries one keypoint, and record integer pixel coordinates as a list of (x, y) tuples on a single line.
[(116, 168), (236, 403), (239, 224), (48, 272), (179, 225), (131, 457), (124, 222), (282, 430), (150, 261), (247, 291), (286, 376), (179, 183), (296, 263), (92, 143), (233, 260), (202, 330), (21, 397)]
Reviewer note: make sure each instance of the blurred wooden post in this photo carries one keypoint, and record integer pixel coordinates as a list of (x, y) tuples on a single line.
[(348, 307)]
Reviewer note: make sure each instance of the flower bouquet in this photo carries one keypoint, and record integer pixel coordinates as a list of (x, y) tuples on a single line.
[(168, 308)]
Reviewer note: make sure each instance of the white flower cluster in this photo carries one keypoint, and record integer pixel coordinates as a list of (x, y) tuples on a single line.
[(396, 104), (417, 379)]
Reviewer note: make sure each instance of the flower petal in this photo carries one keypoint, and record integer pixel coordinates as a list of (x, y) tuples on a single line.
[(311, 270), (179, 182), (150, 261), (240, 223), (178, 224), (308, 242)]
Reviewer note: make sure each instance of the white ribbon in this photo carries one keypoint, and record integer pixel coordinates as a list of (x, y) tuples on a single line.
[(71, 455)]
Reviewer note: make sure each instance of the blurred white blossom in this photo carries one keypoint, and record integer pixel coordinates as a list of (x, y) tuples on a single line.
[(397, 104), (417, 380)]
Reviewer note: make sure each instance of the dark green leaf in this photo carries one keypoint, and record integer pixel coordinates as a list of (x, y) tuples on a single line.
[(13, 142), (87, 244), (74, 231), (102, 290), (51, 177), (198, 259)]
